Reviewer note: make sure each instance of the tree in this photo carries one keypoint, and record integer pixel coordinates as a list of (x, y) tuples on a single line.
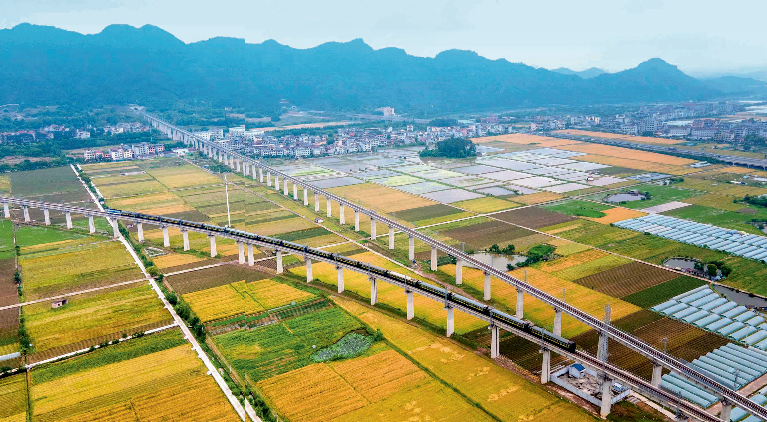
[(711, 270), (452, 148)]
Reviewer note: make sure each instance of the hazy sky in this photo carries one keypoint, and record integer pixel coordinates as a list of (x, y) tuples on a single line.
[(696, 35)]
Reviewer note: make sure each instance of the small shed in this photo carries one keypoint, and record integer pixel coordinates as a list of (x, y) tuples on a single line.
[(58, 303), (318, 220), (576, 370)]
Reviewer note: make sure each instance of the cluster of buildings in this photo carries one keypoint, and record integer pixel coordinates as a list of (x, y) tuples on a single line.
[(717, 129), (347, 140), (124, 152), (51, 131)]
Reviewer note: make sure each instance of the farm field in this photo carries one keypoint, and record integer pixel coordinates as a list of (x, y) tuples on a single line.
[(72, 265), (425, 309), (629, 138), (499, 392), (54, 185), (382, 386), (737, 220), (278, 348), (166, 384), (243, 298), (533, 217), (90, 318), (13, 397), (182, 176), (660, 195), (627, 279), (213, 277), (485, 205)]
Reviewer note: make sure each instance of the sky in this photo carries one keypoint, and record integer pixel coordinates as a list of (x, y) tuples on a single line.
[(700, 36)]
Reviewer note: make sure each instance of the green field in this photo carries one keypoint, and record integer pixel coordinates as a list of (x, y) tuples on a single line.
[(35, 235), (57, 180), (278, 348), (579, 208), (728, 219), (664, 291), (660, 195), (13, 398)]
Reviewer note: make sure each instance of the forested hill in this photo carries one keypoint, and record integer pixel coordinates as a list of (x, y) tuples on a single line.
[(123, 64)]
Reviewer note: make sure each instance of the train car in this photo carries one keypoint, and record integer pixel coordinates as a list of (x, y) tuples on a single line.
[(508, 319), (554, 339)]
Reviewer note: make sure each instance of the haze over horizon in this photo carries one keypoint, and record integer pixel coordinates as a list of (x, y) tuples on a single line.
[(611, 35)]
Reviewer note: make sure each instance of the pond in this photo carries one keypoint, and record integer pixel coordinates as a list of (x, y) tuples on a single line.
[(498, 262), (682, 264), (624, 197), (741, 298)]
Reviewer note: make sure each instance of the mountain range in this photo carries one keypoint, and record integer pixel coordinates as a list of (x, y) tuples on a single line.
[(589, 73), (123, 64)]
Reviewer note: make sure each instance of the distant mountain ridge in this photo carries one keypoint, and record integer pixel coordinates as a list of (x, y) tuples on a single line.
[(123, 64), (589, 73)]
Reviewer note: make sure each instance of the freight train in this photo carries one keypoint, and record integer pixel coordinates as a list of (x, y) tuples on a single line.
[(416, 285)]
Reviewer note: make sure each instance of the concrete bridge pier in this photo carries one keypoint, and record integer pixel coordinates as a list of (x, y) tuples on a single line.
[(657, 373), (185, 235), (91, 225), (356, 221), (372, 229), (140, 227), (115, 228), (309, 276), (607, 398), (241, 253), (391, 237), (47, 215), (245, 169), (276, 183), (268, 179), (458, 272), (373, 291), (433, 258), (238, 165), (285, 187), (340, 279), (328, 205), (295, 192), (260, 174), (279, 262), (306, 197), (546, 366), (165, 237), (26, 213), (557, 321), (726, 412), (213, 252), (68, 216), (316, 202), (251, 261), (341, 216), (410, 306), (410, 248), (486, 290), (520, 309), (6, 210), (450, 320), (494, 341)]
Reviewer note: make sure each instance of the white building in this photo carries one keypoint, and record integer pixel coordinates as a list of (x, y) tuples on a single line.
[(82, 134), (236, 132)]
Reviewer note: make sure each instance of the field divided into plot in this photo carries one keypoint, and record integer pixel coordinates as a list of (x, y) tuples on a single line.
[(76, 264), (91, 318), (167, 384), (240, 298), (13, 399), (498, 391), (627, 279), (382, 386), (282, 347)]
